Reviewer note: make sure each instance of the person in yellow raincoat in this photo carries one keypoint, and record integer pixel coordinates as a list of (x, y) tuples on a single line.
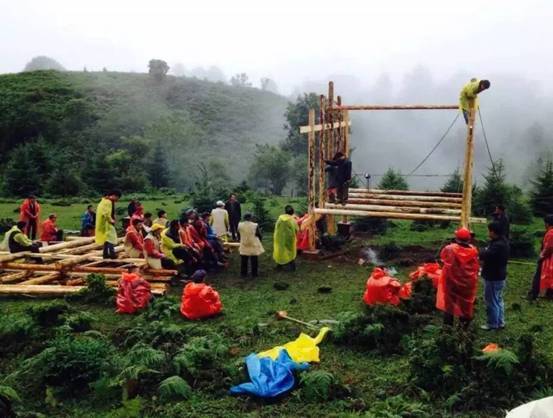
[(284, 240), (106, 234), (470, 92)]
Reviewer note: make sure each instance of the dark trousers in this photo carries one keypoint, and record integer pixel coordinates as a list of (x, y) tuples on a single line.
[(59, 235), (291, 266), (167, 263), (109, 251), (234, 228), (244, 265), (449, 319), (342, 192), (32, 229), (535, 290)]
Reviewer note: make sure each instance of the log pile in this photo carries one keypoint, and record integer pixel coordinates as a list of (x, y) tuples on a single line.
[(400, 204), (61, 269)]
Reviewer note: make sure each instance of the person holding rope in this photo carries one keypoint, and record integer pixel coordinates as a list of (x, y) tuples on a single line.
[(470, 92)]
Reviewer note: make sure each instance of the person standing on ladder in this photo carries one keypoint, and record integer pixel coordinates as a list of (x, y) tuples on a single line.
[(342, 176), (470, 92)]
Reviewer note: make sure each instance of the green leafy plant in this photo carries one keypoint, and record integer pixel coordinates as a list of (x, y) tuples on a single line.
[(504, 360), (174, 388), (317, 386), (96, 291), (80, 322), (398, 407), (48, 314)]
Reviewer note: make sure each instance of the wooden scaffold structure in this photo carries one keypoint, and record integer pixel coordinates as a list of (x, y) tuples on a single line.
[(331, 135), (60, 269)]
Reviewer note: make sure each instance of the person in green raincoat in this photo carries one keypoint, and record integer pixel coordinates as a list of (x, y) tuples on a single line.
[(284, 240), (470, 92), (106, 234)]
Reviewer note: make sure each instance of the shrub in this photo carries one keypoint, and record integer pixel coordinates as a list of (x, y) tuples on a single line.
[(423, 297), (80, 322), (96, 291), (398, 406), (15, 331), (48, 314), (522, 243), (318, 386), (174, 388), (374, 226), (389, 251)]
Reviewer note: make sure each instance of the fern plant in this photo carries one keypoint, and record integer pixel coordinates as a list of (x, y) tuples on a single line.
[(174, 388), (317, 386), (503, 359)]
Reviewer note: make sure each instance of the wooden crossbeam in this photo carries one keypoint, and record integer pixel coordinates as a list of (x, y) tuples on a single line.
[(396, 107), (394, 215), (327, 126), (407, 197), (405, 192), (406, 203), (398, 209)]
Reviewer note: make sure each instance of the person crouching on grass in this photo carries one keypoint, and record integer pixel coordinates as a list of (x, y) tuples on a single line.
[(456, 291), (494, 272)]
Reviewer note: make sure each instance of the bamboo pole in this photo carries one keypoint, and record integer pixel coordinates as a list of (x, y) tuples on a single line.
[(398, 107), (408, 197), (311, 175), (67, 244), (393, 215), (469, 162), (377, 208), (405, 192), (407, 203)]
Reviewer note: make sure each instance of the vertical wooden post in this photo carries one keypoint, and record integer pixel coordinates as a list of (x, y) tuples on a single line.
[(331, 146), (340, 131), (311, 177), (466, 207), (345, 143), (322, 188)]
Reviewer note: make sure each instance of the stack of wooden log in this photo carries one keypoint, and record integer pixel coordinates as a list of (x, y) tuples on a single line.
[(400, 204), (61, 269)]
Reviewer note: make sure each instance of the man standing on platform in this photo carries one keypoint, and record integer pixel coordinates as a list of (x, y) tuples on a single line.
[(342, 176), (470, 92), (235, 215)]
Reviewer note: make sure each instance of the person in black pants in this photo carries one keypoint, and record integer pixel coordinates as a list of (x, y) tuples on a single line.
[(250, 245), (342, 176), (235, 214)]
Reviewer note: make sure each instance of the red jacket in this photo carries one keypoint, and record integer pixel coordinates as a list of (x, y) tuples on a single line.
[(546, 280), (26, 214), (200, 301), (135, 238), (49, 231)]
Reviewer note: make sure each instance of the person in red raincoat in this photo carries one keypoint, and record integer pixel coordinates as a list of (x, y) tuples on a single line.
[(50, 231), (457, 285), (29, 212), (384, 289), (133, 292), (198, 299), (543, 278), (302, 237)]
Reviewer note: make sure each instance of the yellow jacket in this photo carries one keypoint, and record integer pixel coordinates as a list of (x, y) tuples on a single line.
[(167, 247), (284, 239), (468, 93), (105, 230)]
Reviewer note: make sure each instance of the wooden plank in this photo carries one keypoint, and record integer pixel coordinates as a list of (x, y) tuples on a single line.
[(47, 278), (398, 107), (392, 215), (317, 128), (378, 208), (469, 162), (67, 244), (407, 197), (405, 192), (407, 203), (52, 290)]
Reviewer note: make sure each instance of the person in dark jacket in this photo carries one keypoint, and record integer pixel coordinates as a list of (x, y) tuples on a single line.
[(500, 216), (235, 215), (342, 176), (494, 272), (331, 183)]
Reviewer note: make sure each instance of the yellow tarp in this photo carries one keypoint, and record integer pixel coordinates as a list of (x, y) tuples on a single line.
[(284, 239), (304, 348)]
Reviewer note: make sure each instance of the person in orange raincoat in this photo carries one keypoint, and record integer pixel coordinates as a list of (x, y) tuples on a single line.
[(29, 212), (457, 285), (198, 299), (431, 270), (50, 231), (133, 292), (302, 236), (384, 289), (543, 278)]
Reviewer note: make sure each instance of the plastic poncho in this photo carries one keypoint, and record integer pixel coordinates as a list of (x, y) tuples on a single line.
[(302, 349), (303, 232), (133, 293), (49, 231), (105, 230), (284, 239), (200, 301), (457, 285), (468, 93), (431, 270), (269, 377), (546, 279), (24, 217), (382, 288)]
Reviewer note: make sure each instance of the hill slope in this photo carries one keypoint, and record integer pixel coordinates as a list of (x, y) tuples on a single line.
[(86, 113)]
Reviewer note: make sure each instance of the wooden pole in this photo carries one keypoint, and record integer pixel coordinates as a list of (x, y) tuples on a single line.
[(407, 197), (469, 163), (397, 107), (322, 187), (47, 278), (406, 203), (399, 209), (394, 215), (67, 244), (406, 192), (311, 176)]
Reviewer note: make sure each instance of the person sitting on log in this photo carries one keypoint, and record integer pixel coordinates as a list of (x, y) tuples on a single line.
[(198, 235), (457, 286), (212, 238), (152, 250), (162, 218), (198, 299), (175, 250), (50, 231), (134, 240), (470, 93), (342, 176), (16, 241)]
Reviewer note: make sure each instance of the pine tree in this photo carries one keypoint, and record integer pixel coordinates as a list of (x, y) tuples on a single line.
[(158, 172), (494, 192), (454, 183), (21, 177), (541, 197), (393, 180)]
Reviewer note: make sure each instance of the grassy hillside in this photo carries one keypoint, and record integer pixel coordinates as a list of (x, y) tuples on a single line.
[(84, 113)]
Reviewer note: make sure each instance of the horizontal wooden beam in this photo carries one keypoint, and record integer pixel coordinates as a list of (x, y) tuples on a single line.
[(398, 209), (393, 215), (406, 203), (306, 129), (405, 192), (396, 107), (407, 197), (52, 290)]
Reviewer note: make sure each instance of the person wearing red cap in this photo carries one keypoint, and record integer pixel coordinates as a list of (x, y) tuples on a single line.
[(457, 285)]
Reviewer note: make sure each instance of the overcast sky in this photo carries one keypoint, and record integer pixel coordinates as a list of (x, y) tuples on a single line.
[(290, 41)]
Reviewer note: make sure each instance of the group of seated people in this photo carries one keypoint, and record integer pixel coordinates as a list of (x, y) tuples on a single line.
[(187, 244)]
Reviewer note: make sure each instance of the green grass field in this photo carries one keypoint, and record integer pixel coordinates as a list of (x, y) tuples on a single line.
[(248, 325)]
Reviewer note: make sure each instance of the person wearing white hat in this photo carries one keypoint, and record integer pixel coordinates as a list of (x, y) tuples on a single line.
[(219, 220)]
